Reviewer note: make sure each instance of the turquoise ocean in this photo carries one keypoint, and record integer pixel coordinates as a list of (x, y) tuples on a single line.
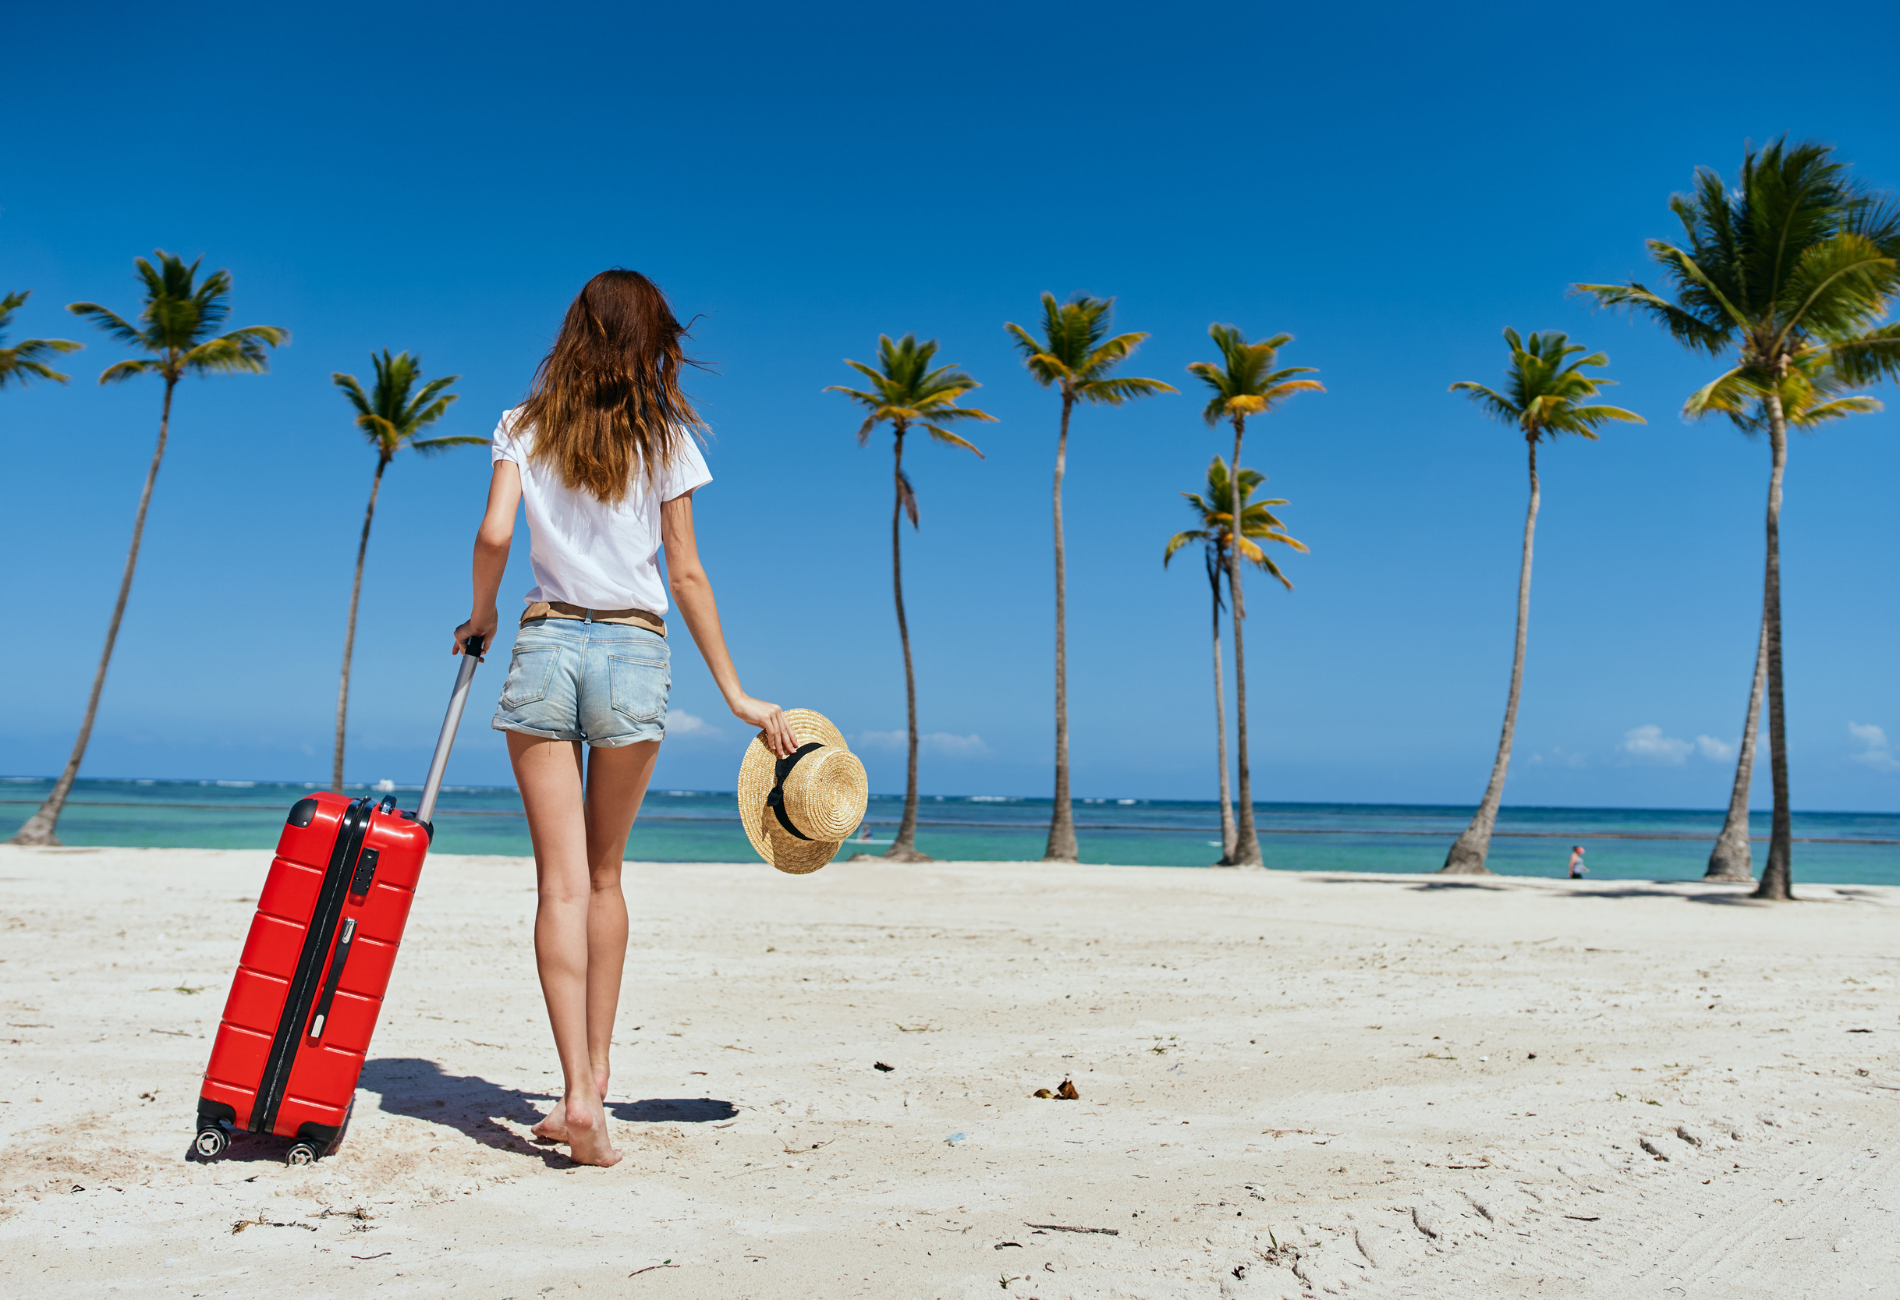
[(703, 826)]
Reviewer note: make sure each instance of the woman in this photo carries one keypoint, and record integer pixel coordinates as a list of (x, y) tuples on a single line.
[(602, 452)]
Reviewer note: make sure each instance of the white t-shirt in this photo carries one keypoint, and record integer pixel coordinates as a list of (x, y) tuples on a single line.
[(584, 551)]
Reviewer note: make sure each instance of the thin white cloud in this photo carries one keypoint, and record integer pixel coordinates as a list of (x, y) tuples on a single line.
[(1557, 756), (681, 723), (1714, 750), (1876, 751), (1647, 744), (933, 742)]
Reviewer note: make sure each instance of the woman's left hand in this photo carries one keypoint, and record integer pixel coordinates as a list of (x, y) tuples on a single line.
[(770, 720)]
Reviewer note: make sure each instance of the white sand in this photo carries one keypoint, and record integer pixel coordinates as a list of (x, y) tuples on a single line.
[(1339, 1064)]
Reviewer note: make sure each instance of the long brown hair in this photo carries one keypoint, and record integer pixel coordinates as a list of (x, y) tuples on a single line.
[(607, 395)]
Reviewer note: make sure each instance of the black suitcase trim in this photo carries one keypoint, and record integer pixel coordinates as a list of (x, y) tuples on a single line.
[(304, 981)]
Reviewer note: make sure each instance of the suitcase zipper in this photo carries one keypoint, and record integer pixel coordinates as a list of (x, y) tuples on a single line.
[(304, 982)]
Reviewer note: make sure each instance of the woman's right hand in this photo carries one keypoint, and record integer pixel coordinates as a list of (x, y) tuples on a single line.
[(770, 720), (481, 625)]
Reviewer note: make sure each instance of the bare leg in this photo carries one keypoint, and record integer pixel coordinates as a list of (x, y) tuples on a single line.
[(548, 773), (616, 784)]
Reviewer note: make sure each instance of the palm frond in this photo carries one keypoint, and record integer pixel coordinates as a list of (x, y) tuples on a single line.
[(1685, 327), (21, 362), (1495, 404), (354, 392), (108, 320), (907, 497), (1839, 409), (123, 370), (1111, 353), (430, 446), (944, 435), (1113, 392), (240, 352), (1837, 289), (1727, 394), (26, 349), (1179, 540), (1873, 356)]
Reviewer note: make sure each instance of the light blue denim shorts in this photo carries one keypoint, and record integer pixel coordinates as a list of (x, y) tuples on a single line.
[(572, 679)]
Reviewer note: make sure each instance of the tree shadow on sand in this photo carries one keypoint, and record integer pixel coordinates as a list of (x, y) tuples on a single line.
[(1721, 894)]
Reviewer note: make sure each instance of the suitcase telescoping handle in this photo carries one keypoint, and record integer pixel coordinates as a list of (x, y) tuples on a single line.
[(471, 656)]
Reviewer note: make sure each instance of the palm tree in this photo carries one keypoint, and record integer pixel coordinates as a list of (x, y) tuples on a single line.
[(905, 391), (390, 416), (1811, 396), (1076, 355), (1795, 261), (21, 362), (1216, 535), (1245, 383), (176, 330), (1543, 398)]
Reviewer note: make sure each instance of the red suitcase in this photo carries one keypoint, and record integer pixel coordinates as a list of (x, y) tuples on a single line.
[(311, 979)]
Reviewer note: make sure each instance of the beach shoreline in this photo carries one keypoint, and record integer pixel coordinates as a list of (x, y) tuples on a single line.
[(1291, 1083)]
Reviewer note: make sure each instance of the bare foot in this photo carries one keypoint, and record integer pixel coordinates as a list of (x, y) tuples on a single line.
[(587, 1139), (553, 1125)]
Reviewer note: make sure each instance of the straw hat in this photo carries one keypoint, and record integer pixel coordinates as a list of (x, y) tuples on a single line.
[(821, 791)]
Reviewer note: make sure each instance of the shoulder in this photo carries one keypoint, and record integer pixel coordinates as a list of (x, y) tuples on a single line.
[(511, 438), (686, 470)]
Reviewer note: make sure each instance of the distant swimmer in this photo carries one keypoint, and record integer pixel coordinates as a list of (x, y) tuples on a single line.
[(1577, 870)]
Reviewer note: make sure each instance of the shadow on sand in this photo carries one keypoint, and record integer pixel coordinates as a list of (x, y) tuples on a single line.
[(1722, 893), (476, 1107), (481, 1110), (469, 1104)]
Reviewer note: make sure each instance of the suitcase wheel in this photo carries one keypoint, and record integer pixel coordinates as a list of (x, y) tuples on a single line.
[(212, 1141), (302, 1153)]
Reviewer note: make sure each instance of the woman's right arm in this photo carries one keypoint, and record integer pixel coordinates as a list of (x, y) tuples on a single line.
[(492, 540)]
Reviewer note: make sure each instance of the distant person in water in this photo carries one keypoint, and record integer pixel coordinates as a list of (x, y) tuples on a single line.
[(1577, 870)]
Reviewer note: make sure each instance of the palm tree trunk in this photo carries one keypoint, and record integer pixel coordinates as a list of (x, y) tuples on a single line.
[(904, 846), (1246, 850), (349, 637), (1062, 846), (1468, 853), (1220, 733), (1729, 859), (40, 827), (1778, 873)]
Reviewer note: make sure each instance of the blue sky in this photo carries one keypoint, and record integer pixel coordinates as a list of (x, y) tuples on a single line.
[(1391, 184)]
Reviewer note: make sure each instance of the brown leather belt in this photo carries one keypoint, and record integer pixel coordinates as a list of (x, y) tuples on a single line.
[(561, 609)]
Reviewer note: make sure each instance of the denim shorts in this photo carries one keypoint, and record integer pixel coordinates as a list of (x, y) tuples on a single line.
[(571, 679)]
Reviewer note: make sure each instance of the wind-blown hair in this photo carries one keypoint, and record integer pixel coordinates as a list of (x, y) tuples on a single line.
[(606, 399)]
